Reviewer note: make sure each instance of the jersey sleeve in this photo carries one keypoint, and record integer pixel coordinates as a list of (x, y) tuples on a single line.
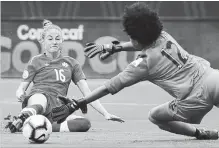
[(134, 73), (78, 73), (29, 71)]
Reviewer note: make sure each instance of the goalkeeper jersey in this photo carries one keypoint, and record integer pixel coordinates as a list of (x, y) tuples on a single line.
[(52, 76), (165, 64)]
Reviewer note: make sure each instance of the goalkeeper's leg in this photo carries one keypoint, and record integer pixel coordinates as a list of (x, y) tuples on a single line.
[(72, 124), (36, 104), (166, 119)]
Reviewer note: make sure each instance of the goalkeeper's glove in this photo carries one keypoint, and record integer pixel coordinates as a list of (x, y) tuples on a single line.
[(60, 113), (105, 50)]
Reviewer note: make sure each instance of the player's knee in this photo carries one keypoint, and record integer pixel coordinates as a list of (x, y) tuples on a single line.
[(83, 124), (160, 124), (73, 125), (38, 99), (152, 116)]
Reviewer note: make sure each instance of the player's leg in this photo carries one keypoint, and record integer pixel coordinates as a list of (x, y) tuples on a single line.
[(191, 109), (73, 123), (162, 116), (178, 122), (35, 104), (213, 85)]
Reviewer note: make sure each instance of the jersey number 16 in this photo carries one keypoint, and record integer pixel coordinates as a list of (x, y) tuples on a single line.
[(59, 75)]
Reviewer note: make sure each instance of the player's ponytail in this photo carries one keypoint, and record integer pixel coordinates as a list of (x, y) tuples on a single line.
[(46, 23)]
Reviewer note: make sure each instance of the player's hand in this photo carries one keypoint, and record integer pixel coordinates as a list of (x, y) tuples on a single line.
[(76, 103), (113, 118), (60, 113), (67, 100), (105, 50), (21, 96), (93, 49)]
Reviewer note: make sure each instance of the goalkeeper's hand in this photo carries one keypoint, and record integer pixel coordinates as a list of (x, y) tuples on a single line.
[(60, 113), (104, 50)]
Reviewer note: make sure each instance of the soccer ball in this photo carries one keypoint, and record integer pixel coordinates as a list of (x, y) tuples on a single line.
[(37, 129)]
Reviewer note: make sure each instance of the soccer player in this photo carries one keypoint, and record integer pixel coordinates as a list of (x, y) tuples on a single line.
[(188, 78), (51, 74)]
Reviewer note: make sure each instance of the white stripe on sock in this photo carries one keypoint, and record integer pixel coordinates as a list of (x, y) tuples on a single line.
[(32, 110), (64, 127)]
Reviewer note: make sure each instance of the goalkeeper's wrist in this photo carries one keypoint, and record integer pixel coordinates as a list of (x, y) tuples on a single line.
[(82, 102), (117, 48)]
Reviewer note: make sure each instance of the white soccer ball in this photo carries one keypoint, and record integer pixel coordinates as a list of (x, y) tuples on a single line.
[(37, 129)]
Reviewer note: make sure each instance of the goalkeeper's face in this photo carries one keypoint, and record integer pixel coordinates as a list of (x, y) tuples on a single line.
[(53, 40)]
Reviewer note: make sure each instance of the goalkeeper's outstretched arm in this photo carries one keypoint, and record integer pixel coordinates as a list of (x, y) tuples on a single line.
[(83, 86), (127, 46), (96, 94)]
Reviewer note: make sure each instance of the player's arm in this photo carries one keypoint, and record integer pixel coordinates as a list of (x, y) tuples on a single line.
[(83, 86), (79, 79), (127, 46), (27, 77), (96, 94), (134, 73), (105, 50)]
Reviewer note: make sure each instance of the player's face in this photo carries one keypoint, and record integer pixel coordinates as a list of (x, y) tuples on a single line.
[(53, 40)]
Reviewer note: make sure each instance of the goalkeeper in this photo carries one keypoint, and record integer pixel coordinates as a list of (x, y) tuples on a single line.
[(163, 62)]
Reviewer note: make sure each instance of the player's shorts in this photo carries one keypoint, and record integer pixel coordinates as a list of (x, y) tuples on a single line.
[(52, 101), (196, 105)]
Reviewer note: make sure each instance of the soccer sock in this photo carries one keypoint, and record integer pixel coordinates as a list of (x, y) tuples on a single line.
[(63, 127), (32, 110), (73, 125)]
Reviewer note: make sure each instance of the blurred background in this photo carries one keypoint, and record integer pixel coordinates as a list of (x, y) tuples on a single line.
[(195, 25)]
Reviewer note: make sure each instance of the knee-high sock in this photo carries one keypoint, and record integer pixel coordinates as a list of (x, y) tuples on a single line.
[(32, 110), (73, 125)]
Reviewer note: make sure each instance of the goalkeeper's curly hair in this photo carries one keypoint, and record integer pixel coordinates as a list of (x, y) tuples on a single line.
[(141, 23)]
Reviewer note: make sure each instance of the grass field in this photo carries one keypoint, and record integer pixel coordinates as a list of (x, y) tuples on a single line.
[(132, 104)]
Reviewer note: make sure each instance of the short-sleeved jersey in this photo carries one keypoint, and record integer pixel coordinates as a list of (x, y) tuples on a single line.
[(165, 64), (52, 76)]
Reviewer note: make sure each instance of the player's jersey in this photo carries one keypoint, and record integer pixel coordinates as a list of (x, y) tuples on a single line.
[(52, 76), (165, 64)]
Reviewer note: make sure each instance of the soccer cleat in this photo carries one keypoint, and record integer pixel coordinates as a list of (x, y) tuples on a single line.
[(9, 121), (16, 123), (207, 134)]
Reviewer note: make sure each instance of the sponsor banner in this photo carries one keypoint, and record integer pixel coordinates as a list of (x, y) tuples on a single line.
[(19, 43)]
